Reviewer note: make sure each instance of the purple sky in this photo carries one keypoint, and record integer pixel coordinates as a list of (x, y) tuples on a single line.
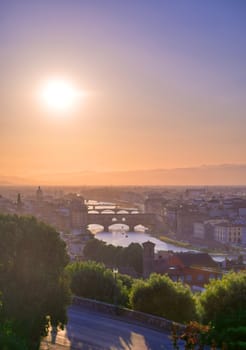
[(166, 83)]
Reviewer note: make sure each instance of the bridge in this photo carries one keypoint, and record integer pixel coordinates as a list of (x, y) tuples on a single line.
[(97, 209), (131, 220)]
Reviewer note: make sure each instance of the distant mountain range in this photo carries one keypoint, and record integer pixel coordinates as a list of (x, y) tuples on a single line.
[(225, 174), (13, 180)]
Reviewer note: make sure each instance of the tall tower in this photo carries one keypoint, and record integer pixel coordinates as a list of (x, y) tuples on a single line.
[(39, 194), (148, 258), (19, 203)]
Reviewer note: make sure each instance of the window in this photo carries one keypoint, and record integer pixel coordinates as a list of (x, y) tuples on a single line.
[(200, 277), (188, 278)]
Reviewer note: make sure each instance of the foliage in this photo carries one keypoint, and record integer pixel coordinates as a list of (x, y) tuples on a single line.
[(160, 296), (194, 335), (9, 340), (235, 337), (32, 260), (131, 256), (127, 281), (93, 280), (224, 304)]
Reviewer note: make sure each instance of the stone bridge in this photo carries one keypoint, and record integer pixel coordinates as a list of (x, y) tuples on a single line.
[(131, 220), (113, 211)]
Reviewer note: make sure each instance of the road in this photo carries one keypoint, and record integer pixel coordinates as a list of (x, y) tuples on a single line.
[(89, 330)]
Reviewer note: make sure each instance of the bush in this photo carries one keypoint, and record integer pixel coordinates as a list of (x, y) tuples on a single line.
[(160, 296), (93, 280), (223, 303)]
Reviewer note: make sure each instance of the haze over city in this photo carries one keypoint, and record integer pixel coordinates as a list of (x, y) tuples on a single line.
[(123, 92)]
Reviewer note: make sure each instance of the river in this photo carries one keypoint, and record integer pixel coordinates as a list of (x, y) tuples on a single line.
[(124, 239), (117, 238), (120, 237)]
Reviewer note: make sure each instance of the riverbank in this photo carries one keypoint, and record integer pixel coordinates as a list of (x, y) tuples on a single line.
[(219, 251), (169, 240)]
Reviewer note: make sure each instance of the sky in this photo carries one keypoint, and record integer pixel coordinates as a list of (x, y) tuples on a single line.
[(163, 82)]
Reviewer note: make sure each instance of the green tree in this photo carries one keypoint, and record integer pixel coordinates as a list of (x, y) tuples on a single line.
[(32, 280), (160, 296), (93, 280), (223, 303), (8, 339), (131, 256)]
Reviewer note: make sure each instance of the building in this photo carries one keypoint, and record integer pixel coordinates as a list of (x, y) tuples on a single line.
[(205, 230), (195, 269), (39, 194), (170, 217), (154, 204), (78, 215), (148, 258), (195, 193), (242, 212), (192, 268), (230, 233), (199, 230), (186, 216)]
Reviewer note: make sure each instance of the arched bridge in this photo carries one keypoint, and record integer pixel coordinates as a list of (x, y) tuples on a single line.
[(146, 219)]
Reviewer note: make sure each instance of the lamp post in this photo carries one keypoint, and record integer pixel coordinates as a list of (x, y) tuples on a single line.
[(115, 271), (53, 334)]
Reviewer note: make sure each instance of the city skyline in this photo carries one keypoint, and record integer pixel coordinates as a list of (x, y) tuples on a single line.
[(163, 87)]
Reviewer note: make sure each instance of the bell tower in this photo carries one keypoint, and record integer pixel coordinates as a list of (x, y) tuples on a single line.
[(19, 203), (148, 258), (39, 194)]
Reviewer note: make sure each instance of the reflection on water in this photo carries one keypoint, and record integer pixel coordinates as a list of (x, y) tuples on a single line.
[(120, 236), (124, 239)]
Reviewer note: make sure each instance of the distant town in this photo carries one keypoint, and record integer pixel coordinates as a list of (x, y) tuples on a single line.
[(208, 225)]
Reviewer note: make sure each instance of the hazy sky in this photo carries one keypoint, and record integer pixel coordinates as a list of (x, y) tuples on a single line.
[(165, 84)]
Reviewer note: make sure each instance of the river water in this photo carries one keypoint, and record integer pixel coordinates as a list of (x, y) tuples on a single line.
[(124, 239), (119, 236)]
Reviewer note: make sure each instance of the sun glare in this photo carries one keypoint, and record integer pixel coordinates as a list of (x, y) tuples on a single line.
[(59, 95)]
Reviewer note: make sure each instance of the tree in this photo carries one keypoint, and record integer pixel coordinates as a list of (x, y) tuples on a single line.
[(160, 296), (131, 256), (8, 339), (223, 303), (93, 249), (93, 280), (32, 280)]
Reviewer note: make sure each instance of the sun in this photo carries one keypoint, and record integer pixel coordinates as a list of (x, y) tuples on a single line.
[(59, 95)]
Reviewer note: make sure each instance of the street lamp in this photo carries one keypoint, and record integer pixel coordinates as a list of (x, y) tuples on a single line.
[(115, 271)]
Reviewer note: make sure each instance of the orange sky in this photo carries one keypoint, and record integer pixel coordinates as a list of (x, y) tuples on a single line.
[(162, 92)]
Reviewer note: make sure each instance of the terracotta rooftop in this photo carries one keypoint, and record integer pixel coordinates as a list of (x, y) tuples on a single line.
[(196, 259)]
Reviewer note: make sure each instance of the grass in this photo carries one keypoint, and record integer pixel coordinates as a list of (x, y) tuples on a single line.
[(175, 242)]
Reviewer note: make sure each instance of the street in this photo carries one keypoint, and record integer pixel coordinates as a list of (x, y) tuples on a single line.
[(89, 330)]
